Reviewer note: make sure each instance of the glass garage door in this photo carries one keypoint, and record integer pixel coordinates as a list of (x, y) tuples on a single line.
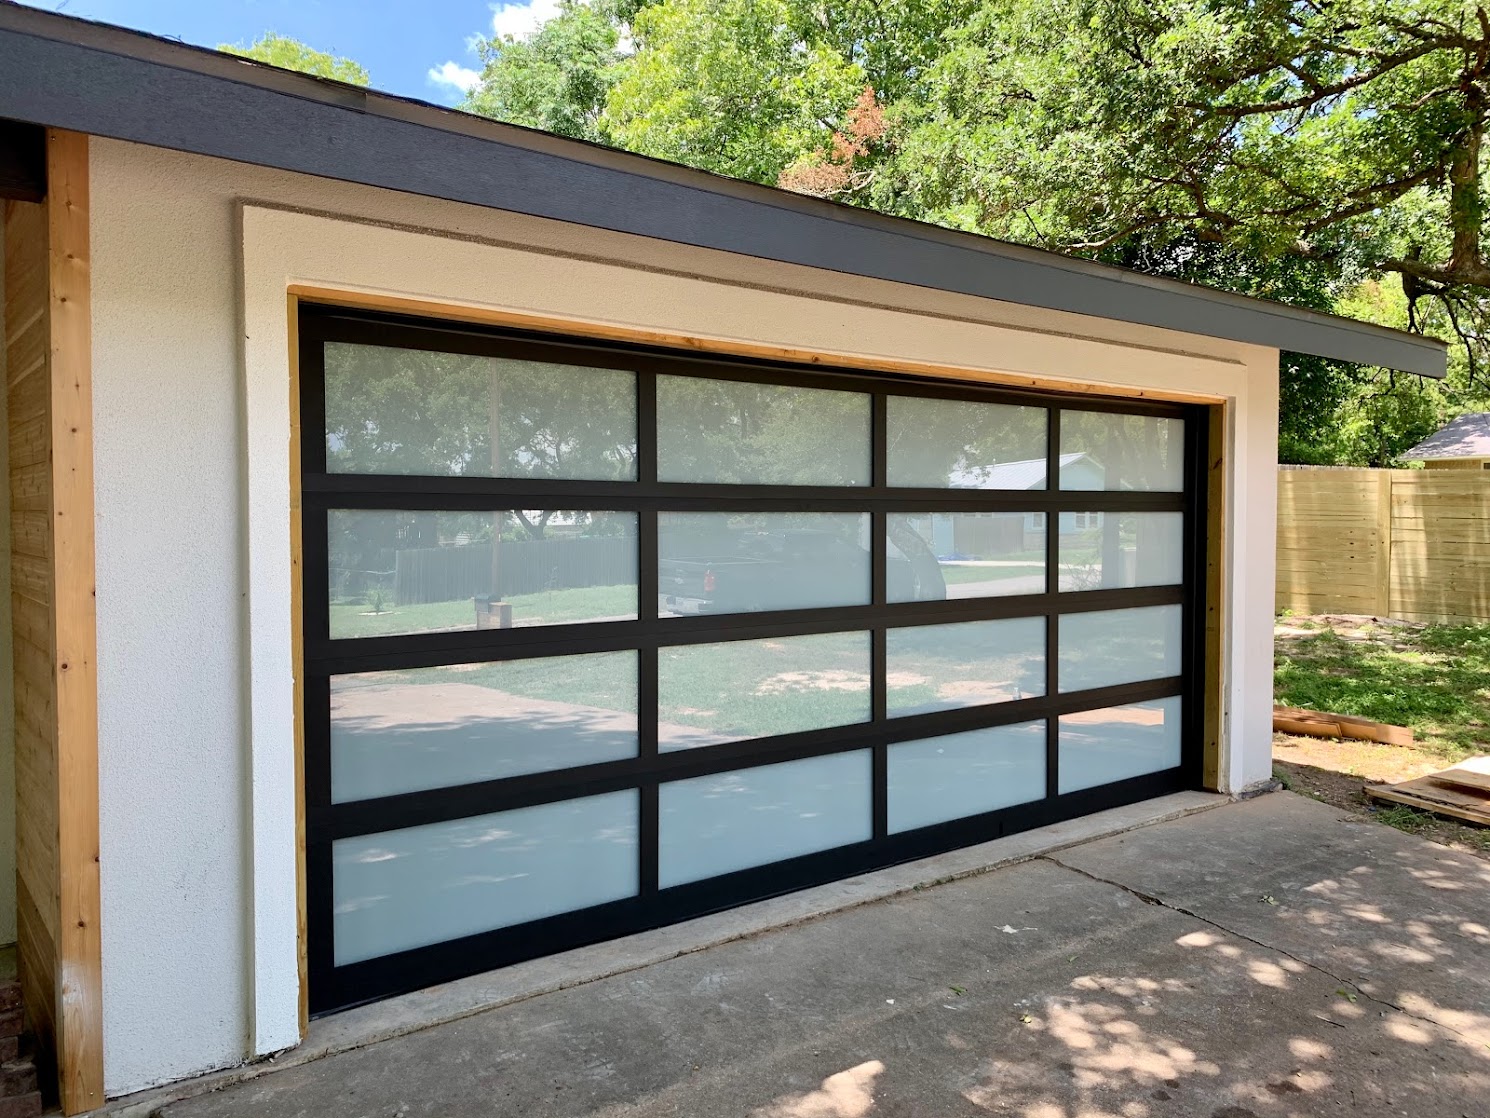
[(598, 639)]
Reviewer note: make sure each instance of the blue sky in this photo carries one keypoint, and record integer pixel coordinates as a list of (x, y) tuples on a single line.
[(418, 48)]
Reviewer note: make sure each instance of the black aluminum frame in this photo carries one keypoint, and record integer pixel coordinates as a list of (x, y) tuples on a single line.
[(333, 987)]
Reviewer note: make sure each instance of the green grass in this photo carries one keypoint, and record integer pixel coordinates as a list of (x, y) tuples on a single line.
[(954, 574), (549, 607), (1437, 682)]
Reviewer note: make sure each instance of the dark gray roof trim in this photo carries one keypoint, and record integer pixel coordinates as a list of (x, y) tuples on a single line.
[(88, 77)]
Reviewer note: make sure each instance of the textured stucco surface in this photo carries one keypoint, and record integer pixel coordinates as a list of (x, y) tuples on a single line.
[(191, 260)]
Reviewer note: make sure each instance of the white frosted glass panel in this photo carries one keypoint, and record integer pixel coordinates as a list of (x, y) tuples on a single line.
[(969, 663), (1109, 647), (713, 693), (1101, 746), (712, 825), (760, 434), (959, 444), (403, 731), (937, 555), (420, 885), (1107, 550), (964, 774), (715, 562), (395, 571), (1108, 451), (412, 411)]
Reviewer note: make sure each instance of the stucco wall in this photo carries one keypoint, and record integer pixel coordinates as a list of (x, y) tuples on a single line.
[(191, 397)]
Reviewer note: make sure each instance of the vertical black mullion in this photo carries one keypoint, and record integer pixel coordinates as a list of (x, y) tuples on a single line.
[(312, 374), (646, 603), (879, 592), (1192, 656), (1052, 588)]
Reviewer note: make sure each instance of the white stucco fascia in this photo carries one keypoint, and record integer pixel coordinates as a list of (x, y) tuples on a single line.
[(193, 259)]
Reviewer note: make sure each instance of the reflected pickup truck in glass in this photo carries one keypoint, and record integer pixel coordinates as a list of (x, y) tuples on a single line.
[(775, 569)]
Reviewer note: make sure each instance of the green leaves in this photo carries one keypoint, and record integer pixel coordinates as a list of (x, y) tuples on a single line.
[(291, 54)]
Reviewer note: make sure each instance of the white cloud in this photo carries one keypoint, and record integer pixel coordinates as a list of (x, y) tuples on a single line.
[(456, 76), (521, 20)]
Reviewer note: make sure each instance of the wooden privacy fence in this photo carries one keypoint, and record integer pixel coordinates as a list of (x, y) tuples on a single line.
[(1413, 544)]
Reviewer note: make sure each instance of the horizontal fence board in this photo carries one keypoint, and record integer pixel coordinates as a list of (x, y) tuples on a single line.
[(1413, 544)]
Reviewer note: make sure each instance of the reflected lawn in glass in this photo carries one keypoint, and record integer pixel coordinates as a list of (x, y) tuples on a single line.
[(1111, 647), (969, 663), (937, 555), (708, 694), (404, 731), (1104, 551)]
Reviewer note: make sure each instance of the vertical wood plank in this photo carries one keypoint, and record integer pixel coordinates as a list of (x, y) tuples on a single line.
[(1384, 543), (79, 996), (297, 613)]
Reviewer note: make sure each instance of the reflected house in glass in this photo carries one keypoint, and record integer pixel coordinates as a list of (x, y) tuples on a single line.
[(809, 541)]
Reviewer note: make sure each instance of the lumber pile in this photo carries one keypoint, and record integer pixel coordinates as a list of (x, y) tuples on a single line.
[(1318, 724), (1462, 792)]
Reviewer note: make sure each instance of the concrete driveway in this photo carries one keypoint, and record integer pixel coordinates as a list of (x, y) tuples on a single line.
[(1272, 957)]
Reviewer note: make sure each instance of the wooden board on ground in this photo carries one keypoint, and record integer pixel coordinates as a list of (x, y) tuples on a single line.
[(1319, 724), (1462, 792)]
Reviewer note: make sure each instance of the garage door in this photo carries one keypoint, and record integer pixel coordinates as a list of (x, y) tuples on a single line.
[(598, 639)]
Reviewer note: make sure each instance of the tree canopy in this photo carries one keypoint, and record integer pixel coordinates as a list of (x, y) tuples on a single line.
[(292, 54)]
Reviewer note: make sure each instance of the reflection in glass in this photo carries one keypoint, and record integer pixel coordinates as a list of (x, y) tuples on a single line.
[(716, 562), (403, 731), (1109, 647), (958, 775), (1101, 746), (420, 885), (958, 444), (1103, 551), (760, 434), (713, 693), (931, 556), (1108, 451), (968, 663), (394, 572), (411, 411), (710, 825)]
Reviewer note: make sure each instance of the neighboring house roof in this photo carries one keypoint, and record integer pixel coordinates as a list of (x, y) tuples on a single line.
[(63, 72), (1029, 473), (1466, 437)]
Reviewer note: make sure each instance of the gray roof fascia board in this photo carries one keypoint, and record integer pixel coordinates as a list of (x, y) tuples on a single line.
[(106, 81)]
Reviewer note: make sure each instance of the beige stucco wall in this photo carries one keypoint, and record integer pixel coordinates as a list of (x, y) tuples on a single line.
[(191, 260)]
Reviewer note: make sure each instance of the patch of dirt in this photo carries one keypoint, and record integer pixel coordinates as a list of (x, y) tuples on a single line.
[(1334, 772)]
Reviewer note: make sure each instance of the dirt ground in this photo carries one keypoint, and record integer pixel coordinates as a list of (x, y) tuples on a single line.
[(1334, 772)]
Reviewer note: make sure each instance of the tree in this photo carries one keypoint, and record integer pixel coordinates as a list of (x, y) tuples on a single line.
[(557, 80), (291, 54)]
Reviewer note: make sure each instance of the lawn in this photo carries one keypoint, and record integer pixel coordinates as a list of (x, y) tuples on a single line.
[(1435, 679), (954, 573)]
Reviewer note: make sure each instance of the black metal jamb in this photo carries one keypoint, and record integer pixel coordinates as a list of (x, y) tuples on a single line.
[(335, 987), (1198, 452), (1053, 611)]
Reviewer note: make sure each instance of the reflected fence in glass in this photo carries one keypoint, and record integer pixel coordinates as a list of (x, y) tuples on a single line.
[(1112, 550), (394, 572), (405, 731), (708, 694), (933, 556), (391, 410), (1102, 746), (743, 433), (412, 887), (717, 562), (967, 663)]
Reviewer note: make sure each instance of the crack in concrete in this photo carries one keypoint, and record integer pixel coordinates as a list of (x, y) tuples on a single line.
[(1160, 902)]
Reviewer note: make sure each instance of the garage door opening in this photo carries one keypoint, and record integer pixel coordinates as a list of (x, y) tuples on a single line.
[(602, 638)]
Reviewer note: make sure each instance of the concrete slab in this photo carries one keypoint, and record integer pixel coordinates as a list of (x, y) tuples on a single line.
[(1037, 990), (1406, 922)]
